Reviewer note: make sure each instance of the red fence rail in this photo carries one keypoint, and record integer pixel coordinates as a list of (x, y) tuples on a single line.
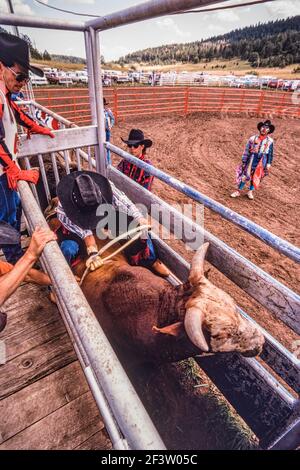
[(73, 103)]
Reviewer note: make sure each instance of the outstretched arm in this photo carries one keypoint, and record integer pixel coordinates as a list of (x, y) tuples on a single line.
[(11, 281)]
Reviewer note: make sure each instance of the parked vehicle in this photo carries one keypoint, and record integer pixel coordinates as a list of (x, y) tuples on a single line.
[(37, 81), (53, 78), (78, 77)]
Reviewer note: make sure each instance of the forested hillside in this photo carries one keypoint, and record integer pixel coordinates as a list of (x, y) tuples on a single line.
[(272, 44)]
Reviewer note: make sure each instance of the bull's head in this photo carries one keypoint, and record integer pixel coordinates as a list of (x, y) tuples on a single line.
[(212, 321)]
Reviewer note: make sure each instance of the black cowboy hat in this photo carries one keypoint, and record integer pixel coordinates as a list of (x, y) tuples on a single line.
[(80, 194), (15, 50), (136, 136), (8, 234), (268, 124)]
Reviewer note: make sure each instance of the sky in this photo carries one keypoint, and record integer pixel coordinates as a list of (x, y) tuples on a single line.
[(156, 32)]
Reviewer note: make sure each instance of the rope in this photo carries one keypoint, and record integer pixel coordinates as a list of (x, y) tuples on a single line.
[(137, 230)]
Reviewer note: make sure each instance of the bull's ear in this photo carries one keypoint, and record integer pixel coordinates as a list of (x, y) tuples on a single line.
[(176, 329), (197, 265)]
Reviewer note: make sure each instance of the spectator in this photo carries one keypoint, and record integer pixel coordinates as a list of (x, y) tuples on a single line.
[(14, 74), (109, 123), (137, 146)]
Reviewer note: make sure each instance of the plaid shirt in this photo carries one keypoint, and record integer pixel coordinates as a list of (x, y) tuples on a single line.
[(139, 175), (120, 202)]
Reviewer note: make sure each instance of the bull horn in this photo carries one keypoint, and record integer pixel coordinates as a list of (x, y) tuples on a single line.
[(197, 265), (193, 326)]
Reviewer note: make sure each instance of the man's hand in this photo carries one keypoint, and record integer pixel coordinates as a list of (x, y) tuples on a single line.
[(268, 166), (94, 262), (39, 239)]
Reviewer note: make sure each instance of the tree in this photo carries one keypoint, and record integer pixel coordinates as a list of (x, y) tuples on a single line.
[(46, 55)]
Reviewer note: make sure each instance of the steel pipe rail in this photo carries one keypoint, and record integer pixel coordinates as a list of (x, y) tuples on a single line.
[(126, 406), (256, 230), (146, 11), (37, 22)]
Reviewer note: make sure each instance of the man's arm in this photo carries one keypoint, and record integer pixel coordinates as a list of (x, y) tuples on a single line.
[(11, 281), (26, 121), (13, 172)]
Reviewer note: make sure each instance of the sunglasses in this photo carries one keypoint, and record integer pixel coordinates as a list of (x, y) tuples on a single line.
[(20, 76), (135, 146)]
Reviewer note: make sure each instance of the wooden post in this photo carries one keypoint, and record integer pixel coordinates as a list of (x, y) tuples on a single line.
[(186, 101), (116, 103)]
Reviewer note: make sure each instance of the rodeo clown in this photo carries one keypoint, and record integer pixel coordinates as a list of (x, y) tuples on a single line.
[(256, 160)]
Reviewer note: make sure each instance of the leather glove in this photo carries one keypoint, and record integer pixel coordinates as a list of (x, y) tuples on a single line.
[(37, 129), (94, 261), (14, 174)]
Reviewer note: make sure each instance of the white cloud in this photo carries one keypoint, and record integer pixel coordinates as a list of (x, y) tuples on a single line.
[(168, 24), (228, 16), (20, 7), (284, 8)]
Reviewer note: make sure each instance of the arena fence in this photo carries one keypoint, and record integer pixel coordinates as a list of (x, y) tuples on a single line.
[(73, 103)]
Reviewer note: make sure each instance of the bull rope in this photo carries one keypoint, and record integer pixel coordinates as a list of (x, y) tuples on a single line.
[(137, 230)]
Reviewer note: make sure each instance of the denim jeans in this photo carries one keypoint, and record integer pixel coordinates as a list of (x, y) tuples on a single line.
[(10, 212)]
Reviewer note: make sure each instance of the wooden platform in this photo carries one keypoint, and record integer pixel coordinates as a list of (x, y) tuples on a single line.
[(45, 402)]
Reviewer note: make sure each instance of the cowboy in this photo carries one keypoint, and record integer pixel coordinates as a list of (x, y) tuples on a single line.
[(74, 215), (14, 74), (137, 145), (256, 160), (12, 276), (109, 123)]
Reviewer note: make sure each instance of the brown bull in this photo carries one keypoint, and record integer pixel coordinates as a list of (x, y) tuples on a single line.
[(143, 312)]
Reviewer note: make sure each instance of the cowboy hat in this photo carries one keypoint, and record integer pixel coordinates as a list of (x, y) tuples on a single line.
[(268, 124), (136, 136), (8, 234), (80, 194), (14, 50)]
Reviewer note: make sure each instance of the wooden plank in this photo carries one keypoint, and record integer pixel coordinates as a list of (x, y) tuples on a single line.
[(99, 441), (64, 139), (249, 392), (66, 428), (279, 299), (36, 363), (31, 404)]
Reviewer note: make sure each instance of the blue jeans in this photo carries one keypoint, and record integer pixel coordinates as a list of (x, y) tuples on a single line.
[(10, 212), (242, 184), (70, 250)]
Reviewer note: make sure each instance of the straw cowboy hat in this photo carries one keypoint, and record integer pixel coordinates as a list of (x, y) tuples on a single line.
[(80, 193), (268, 124), (136, 136), (15, 50)]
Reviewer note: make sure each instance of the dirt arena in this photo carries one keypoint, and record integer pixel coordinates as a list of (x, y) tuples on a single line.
[(203, 150)]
